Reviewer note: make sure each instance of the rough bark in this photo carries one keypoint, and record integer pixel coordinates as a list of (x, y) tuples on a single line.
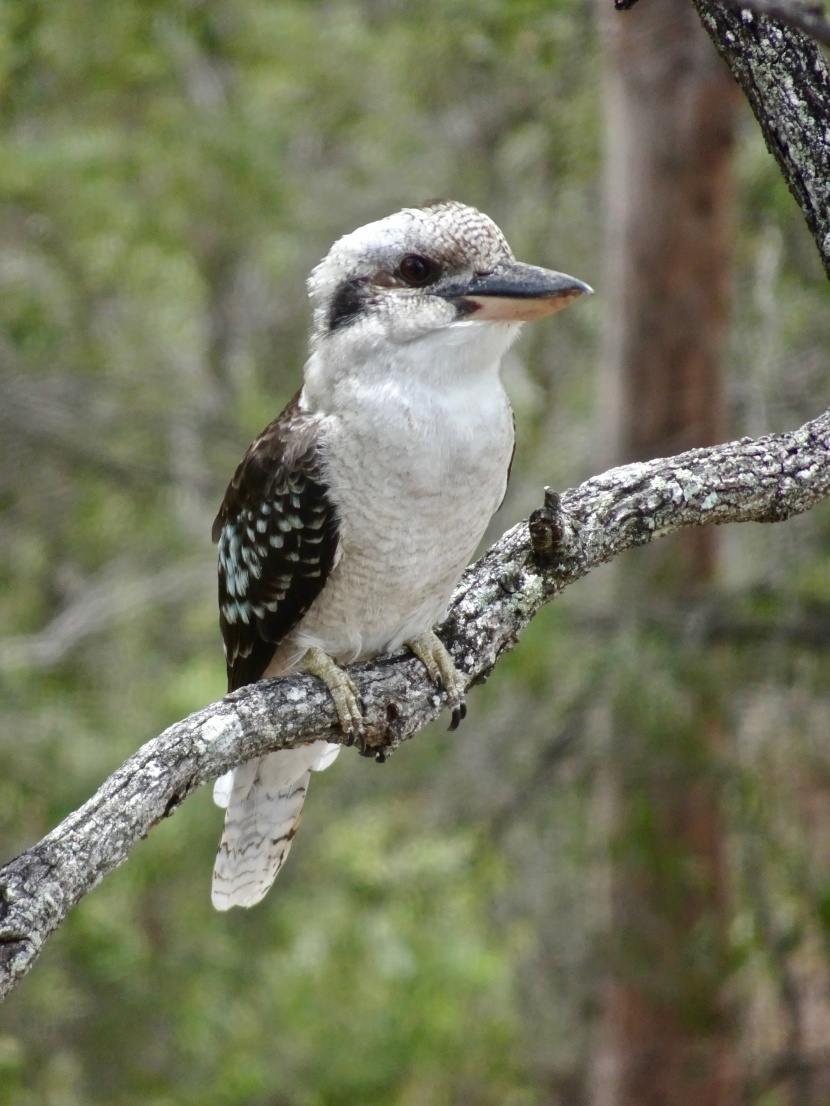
[(804, 16), (765, 480), (786, 79), (807, 17)]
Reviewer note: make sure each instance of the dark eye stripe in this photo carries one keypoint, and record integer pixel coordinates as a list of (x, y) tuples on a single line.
[(347, 303)]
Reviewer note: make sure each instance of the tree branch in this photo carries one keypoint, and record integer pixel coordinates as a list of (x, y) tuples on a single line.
[(809, 18), (765, 480), (786, 79)]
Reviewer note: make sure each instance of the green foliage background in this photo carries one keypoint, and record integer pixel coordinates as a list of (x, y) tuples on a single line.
[(169, 173)]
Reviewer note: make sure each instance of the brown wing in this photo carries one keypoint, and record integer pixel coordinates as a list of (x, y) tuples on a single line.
[(277, 533)]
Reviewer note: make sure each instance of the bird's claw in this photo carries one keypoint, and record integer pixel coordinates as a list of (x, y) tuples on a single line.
[(348, 702), (459, 713), (432, 653)]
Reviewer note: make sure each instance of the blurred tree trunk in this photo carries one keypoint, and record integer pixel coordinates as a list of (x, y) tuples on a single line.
[(671, 107)]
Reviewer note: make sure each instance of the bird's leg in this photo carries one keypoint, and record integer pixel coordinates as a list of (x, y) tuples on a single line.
[(431, 652), (343, 691)]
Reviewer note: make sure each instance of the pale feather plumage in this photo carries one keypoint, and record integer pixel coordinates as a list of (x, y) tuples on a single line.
[(411, 442), (264, 800)]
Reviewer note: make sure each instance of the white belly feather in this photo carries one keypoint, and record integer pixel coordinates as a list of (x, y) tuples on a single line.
[(410, 518)]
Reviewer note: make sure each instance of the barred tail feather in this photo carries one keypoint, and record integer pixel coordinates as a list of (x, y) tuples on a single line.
[(264, 800)]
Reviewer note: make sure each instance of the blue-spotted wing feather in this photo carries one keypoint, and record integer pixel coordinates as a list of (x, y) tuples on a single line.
[(277, 535)]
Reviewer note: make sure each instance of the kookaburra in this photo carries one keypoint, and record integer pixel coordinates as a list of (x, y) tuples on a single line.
[(352, 516)]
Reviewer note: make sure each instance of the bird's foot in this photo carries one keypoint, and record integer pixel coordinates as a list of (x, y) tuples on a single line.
[(343, 690), (433, 655)]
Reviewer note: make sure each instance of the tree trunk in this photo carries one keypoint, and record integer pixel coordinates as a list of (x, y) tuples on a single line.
[(671, 107)]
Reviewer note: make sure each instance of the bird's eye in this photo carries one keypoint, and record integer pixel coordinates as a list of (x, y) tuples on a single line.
[(417, 270)]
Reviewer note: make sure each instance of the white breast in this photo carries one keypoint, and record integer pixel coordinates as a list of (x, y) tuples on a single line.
[(416, 468)]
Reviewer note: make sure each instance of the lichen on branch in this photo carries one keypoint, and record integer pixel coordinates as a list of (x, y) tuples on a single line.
[(763, 480), (786, 79)]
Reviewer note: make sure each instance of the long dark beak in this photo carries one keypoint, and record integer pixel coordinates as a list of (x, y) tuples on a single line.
[(515, 293)]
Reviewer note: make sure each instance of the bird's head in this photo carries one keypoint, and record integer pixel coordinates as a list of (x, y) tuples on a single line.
[(441, 269)]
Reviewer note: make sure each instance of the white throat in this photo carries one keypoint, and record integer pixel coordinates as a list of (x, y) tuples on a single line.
[(464, 357)]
